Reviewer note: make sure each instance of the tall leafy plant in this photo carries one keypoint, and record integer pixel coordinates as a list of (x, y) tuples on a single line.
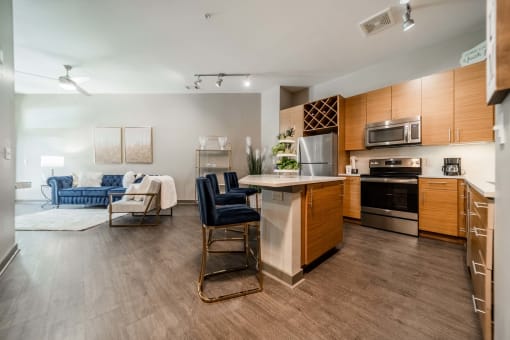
[(254, 159)]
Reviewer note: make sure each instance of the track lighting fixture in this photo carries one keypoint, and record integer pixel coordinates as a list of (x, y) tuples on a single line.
[(219, 81), (408, 22), (197, 83)]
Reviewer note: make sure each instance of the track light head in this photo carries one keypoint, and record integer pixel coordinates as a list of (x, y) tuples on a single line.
[(220, 80), (197, 83), (408, 22)]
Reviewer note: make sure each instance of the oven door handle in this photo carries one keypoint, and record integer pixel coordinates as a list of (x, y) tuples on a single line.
[(389, 180)]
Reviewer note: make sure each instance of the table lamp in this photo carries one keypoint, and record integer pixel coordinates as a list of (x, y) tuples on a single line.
[(52, 162)]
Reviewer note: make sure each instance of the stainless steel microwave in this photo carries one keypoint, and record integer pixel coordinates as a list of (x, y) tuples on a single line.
[(393, 132)]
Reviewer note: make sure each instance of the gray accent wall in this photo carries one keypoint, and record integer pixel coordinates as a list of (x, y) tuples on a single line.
[(63, 125), (7, 166), (502, 231)]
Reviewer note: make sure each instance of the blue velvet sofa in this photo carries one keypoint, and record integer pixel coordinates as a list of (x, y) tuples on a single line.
[(62, 191)]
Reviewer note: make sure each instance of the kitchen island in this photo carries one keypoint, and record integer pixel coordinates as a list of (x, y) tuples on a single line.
[(301, 219)]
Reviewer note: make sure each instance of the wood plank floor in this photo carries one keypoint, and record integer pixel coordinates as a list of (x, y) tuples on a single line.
[(140, 283)]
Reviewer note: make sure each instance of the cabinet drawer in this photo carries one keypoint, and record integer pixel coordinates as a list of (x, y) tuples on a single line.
[(482, 299), (481, 243), (438, 184)]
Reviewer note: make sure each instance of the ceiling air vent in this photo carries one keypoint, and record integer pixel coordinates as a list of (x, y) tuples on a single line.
[(377, 22)]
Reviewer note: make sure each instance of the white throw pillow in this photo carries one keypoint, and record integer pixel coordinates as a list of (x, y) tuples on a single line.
[(75, 179), (142, 188), (132, 189), (128, 179), (90, 179)]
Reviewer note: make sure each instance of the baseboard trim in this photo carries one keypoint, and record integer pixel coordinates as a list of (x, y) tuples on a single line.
[(8, 258)]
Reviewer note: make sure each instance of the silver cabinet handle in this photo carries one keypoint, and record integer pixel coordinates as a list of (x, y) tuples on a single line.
[(475, 231), (481, 205), (311, 198), (449, 135), (476, 272), (458, 135), (437, 182), (475, 307)]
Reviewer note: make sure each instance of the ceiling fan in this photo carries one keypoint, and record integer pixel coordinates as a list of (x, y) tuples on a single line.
[(66, 81), (69, 83)]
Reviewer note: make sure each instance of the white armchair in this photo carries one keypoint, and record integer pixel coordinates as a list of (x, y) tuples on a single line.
[(138, 204)]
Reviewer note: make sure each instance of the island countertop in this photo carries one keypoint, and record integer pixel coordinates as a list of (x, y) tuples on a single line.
[(275, 181)]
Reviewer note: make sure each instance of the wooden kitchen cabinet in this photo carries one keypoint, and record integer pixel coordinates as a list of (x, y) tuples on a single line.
[(462, 205), (437, 109), (355, 121), (473, 118), (438, 208), (480, 256), (406, 99), (352, 197), (379, 105), (320, 116), (498, 49), (322, 221), (292, 117)]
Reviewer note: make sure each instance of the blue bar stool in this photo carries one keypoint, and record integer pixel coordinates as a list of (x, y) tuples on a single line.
[(232, 186), (226, 198), (213, 217)]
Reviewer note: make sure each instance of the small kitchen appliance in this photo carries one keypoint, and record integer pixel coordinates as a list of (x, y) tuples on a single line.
[(451, 167)]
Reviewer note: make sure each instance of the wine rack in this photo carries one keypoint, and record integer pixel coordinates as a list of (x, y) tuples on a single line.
[(321, 115)]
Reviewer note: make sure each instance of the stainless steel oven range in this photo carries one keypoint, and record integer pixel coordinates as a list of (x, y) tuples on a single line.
[(389, 195)]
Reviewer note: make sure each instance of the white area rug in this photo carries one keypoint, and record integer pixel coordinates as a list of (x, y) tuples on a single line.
[(63, 219)]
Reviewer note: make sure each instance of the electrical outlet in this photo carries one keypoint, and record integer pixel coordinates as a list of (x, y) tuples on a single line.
[(7, 153), (277, 196)]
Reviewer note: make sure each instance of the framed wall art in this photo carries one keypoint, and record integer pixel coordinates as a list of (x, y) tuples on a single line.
[(138, 144), (108, 145)]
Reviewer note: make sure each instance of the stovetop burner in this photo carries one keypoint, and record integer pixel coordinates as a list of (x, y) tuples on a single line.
[(395, 167)]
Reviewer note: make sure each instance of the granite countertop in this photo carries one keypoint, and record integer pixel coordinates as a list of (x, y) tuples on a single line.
[(484, 187), (275, 181)]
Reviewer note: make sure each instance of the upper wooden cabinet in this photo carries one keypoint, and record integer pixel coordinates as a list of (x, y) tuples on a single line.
[(437, 109), (498, 49), (355, 121), (406, 99), (378, 105), (473, 117), (292, 117)]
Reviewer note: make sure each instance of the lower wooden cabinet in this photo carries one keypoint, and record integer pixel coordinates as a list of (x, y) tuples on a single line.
[(480, 240), (438, 208), (462, 207), (322, 221), (352, 197)]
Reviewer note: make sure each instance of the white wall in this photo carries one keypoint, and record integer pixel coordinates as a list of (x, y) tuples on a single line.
[(64, 125), (477, 159), (7, 166), (502, 232), (401, 67), (270, 121)]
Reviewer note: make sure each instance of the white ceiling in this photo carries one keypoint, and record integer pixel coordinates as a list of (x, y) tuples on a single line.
[(155, 46)]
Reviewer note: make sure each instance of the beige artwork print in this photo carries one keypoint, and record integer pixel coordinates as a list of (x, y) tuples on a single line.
[(138, 144)]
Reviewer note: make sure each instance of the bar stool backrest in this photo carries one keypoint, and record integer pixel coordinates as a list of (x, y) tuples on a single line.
[(231, 181), (206, 203), (214, 183)]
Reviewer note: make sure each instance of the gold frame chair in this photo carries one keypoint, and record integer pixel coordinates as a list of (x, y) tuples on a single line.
[(139, 208), (243, 218)]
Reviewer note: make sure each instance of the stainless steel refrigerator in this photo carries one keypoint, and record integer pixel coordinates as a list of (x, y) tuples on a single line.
[(317, 155)]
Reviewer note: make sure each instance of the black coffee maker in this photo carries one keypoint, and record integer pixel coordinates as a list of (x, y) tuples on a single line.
[(451, 167)]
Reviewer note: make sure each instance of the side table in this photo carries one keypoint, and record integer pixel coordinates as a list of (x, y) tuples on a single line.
[(46, 193)]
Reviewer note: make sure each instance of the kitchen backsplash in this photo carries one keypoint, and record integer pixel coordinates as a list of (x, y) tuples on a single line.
[(478, 160)]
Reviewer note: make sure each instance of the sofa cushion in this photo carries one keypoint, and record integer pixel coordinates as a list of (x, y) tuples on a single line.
[(90, 179), (95, 191), (112, 181), (69, 192)]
